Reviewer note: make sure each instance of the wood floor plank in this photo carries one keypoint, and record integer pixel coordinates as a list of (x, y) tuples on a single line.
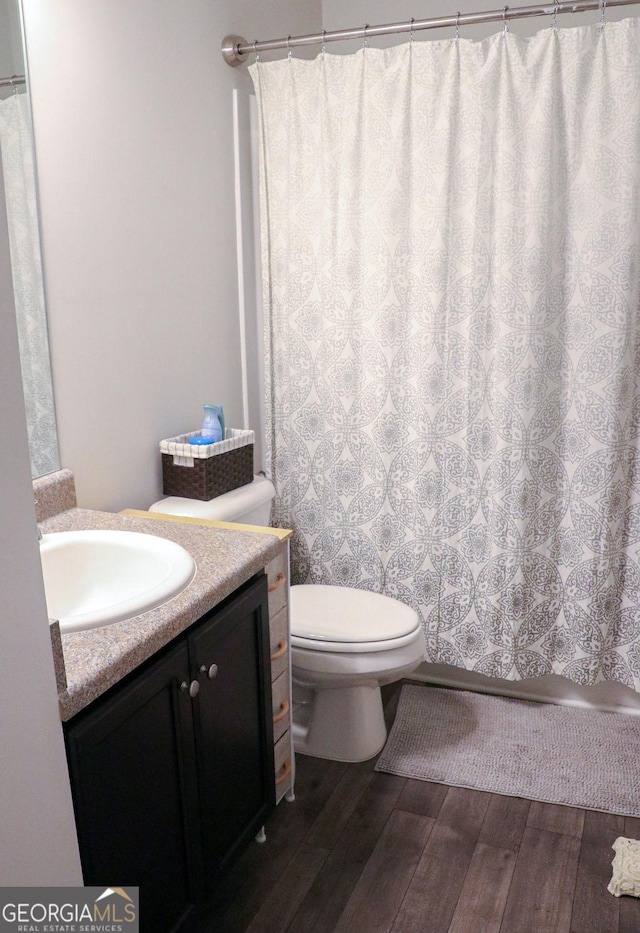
[(631, 827), (543, 884), (327, 897), (594, 909), (556, 818), (283, 901), (423, 798), (241, 892), (432, 895), (316, 779), (504, 822), (330, 823), (484, 893), (288, 825), (373, 906), (629, 915)]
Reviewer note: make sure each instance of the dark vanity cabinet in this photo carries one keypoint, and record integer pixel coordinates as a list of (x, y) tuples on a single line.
[(132, 763), (173, 771)]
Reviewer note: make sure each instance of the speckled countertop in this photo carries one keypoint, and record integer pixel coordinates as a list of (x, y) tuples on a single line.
[(96, 659)]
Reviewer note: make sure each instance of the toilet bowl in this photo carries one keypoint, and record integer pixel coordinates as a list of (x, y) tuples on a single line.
[(345, 643)]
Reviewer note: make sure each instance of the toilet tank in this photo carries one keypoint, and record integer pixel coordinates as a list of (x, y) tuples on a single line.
[(247, 505)]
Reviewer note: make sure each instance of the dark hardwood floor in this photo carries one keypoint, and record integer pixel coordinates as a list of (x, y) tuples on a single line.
[(366, 852)]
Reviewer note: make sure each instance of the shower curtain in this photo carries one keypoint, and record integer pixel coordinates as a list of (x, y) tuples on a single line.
[(451, 240), (26, 266)]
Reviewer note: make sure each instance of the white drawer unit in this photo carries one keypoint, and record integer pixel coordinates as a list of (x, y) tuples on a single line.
[(278, 584), (281, 706)]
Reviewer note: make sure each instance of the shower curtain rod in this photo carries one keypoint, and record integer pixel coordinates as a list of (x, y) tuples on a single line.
[(236, 49), (12, 81)]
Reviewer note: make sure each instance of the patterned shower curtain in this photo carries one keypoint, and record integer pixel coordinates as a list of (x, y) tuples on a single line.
[(26, 265), (451, 245)]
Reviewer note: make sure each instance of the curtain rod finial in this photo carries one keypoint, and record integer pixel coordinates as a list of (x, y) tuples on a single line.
[(231, 50)]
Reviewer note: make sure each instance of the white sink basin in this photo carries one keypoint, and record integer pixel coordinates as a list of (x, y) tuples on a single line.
[(94, 578)]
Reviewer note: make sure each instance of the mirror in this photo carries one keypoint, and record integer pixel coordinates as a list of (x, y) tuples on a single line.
[(16, 142)]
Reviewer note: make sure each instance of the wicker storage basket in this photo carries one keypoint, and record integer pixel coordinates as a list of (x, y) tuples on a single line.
[(208, 471)]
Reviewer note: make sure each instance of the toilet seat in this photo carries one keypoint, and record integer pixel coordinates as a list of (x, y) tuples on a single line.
[(343, 619)]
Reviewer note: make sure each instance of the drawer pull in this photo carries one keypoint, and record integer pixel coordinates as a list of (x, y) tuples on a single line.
[(280, 650), (285, 771), (284, 709), (210, 671), (276, 586)]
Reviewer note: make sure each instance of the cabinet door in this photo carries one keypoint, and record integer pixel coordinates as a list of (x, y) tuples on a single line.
[(134, 782), (234, 732)]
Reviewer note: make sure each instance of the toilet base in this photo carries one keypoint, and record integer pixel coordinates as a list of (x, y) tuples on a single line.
[(342, 724)]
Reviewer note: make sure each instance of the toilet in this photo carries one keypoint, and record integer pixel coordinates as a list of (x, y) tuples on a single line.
[(345, 643)]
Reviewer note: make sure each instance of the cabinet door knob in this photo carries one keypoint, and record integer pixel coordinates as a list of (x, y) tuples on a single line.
[(193, 689), (210, 671)]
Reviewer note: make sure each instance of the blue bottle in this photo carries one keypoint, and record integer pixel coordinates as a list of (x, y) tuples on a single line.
[(220, 413), (211, 427)]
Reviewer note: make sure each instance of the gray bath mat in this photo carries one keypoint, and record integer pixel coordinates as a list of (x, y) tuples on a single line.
[(555, 754)]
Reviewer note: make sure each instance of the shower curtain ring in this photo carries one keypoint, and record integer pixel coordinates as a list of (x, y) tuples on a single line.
[(504, 20), (365, 40), (412, 21), (457, 35), (554, 21), (289, 48), (324, 41), (255, 51), (603, 7)]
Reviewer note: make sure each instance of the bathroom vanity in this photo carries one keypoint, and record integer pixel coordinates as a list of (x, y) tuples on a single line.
[(178, 722), (278, 591), (172, 772)]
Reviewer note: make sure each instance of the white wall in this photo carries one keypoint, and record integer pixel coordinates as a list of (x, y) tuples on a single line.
[(37, 843), (132, 108)]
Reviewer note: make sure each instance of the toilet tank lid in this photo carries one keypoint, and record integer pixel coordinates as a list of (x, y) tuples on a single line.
[(227, 507), (346, 614)]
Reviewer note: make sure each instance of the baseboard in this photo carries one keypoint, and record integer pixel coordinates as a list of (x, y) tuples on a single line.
[(608, 697)]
